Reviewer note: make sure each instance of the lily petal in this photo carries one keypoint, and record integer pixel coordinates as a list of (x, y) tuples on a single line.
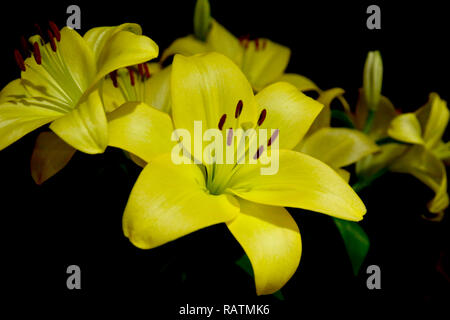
[(339, 147), (140, 129), (434, 118), (406, 127), (169, 201), (264, 62), (50, 155), (187, 46), (157, 90), (301, 182), (288, 110), (373, 163), (17, 119), (13, 91), (205, 87), (124, 49), (300, 82), (85, 127), (423, 165), (271, 239), (222, 41)]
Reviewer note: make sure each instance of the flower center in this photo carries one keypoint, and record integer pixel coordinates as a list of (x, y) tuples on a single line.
[(131, 81), (50, 69), (247, 147)]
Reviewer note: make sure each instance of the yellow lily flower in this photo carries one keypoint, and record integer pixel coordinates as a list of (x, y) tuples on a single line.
[(59, 85), (171, 200), (424, 160), (262, 61)]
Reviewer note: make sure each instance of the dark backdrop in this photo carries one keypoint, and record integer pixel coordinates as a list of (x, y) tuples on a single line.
[(75, 217)]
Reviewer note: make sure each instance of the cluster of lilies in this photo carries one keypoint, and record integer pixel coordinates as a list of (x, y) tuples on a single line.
[(105, 89)]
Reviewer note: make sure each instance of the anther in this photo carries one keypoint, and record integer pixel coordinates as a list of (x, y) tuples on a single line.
[(230, 136), (222, 121), (39, 30), (262, 117), (55, 30), (244, 40), (258, 152), (238, 111), (25, 47), (19, 60), (147, 72), (256, 44), (113, 76), (272, 138), (131, 72), (141, 70), (52, 40), (37, 53), (264, 44)]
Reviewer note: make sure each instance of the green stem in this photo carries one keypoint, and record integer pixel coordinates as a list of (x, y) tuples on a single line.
[(369, 121), (365, 182)]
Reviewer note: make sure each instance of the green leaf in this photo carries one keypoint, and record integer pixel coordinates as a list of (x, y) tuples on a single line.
[(356, 242), (342, 117), (245, 264), (202, 19)]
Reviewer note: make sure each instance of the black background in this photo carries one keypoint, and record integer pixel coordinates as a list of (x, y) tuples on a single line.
[(75, 217)]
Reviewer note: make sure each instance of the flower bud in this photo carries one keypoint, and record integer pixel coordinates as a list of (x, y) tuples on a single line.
[(373, 79)]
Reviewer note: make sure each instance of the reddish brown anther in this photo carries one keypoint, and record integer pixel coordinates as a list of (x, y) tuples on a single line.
[(19, 60), (230, 136), (272, 138), (264, 44), (244, 40), (147, 72), (131, 72), (37, 53), (259, 152), (238, 111), (39, 30), (256, 44), (222, 121), (55, 30), (141, 70), (113, 76), (52, 40), (25, 47), (262, 117)]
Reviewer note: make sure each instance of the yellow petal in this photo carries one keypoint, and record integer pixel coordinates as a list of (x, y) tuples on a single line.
[(157, 90), (271, 239), (17, 119), (264, 62), (423, 165), (301, 182), (288, 110), (338, 147), (141, 130), (112, 97), (434, 119), (222, 41), (84, 128), (13, 91), (375, 162), (50, 155), (124, 49), (187, 46), (406, 127), (344, 174), (97, 38), (169, 201), (205, 87), (300, 82)]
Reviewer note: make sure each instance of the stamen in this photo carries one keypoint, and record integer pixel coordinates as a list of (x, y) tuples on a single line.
[(141, 70), (256, 44), (55, 30), (131, 75), (238, 111), (52, 40), (264, 44), (272, 138), (37, 53), (230, 136), (147, 72), (25, 47), (222, 121), (262, 117), (244, 40), (19, 60), (113, 76), (258, 153), (39, 30)]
